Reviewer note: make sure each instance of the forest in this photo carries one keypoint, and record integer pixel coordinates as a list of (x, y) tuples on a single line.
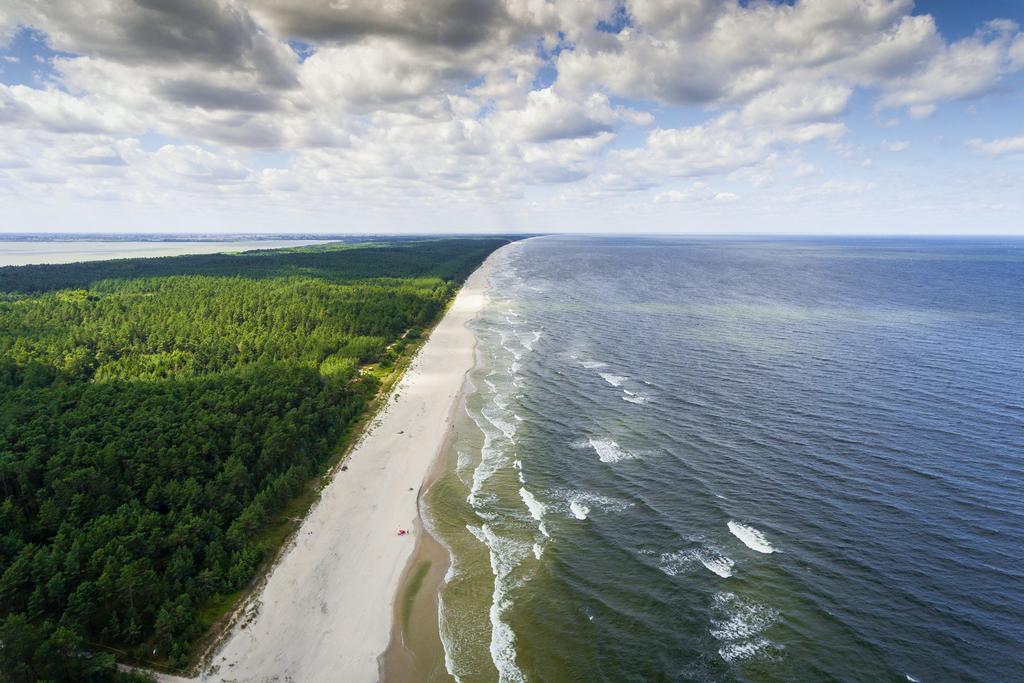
[(157, 414)]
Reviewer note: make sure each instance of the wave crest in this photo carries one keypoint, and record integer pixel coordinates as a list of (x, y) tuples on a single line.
[(751, 537), (609, 451)]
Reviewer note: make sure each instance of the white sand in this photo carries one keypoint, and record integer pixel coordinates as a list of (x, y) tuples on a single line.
[(325, 611)]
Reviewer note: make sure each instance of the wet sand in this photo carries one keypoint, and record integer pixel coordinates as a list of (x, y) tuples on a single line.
[(416, 653)]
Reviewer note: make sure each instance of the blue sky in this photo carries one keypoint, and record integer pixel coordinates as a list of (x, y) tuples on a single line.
[(817, 116)]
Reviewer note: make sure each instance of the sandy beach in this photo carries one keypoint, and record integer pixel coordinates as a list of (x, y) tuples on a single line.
[(325, 611)]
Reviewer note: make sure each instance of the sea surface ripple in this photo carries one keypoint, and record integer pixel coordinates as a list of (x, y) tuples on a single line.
[(736, 459)]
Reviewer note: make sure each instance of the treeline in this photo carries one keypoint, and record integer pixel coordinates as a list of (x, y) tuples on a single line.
[(447, 259), (156, 414)]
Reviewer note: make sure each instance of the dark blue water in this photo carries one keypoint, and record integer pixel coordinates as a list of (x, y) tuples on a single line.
[(758, 460)]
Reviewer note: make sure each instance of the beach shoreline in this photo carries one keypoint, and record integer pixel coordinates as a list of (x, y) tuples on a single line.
[(416, 652), (326, 609)]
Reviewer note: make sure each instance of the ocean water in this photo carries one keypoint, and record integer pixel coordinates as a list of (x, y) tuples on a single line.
[(741, 460)]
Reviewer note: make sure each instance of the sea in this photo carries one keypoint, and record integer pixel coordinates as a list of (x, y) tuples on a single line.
[(739, 459)]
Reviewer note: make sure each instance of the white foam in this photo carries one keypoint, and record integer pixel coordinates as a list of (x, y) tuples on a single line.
[(609, 451), (564, 500), (708, 556), (462, 465), (528, 344), (493, 455), (517, 465), (751, 537), (675, 563), (744, 649), (578, 509), (594, 364), (614, 380), (449, 642), (633, 397), (502, 422), (538, 550), (490, 462), (536, 508), (506, 553), (719, 564), (741, 625), (477, 532)]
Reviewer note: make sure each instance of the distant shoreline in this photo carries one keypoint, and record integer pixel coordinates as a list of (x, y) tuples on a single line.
[(38, 252), (178, 237)]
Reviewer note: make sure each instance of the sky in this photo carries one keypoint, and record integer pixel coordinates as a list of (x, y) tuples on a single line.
[(643, 116)]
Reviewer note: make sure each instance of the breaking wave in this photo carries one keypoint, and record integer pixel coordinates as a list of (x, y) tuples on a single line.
[(739, 624), (536, 508), (710, 558), (578, 509), (751, 537), (614, 380), (609, 451)]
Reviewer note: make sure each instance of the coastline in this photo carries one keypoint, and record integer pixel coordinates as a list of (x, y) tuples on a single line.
[(415, 652), (325, 611)]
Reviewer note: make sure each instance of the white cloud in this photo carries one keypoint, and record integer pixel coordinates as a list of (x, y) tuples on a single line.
[(895, 145), (998, 147), (196, 164), (798, 103), (405, 104), (58, 111), (547, 115), (967, 68), (698, 192)]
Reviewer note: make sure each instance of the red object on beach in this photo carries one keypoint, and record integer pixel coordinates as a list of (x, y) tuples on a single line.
[(402, 532)]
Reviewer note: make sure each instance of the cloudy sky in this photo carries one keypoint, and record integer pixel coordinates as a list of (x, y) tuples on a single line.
[(536, 115)]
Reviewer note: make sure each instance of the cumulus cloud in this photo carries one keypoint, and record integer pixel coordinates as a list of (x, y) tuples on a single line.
[(967, 68), (59, 111), (710, 52), (453, 24), (463, 101), (215, 34), (547, 116), (798, 102)]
